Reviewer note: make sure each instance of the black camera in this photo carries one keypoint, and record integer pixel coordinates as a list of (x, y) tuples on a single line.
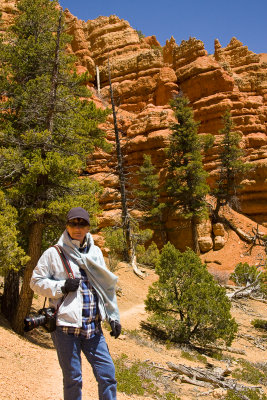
[(46, 317)]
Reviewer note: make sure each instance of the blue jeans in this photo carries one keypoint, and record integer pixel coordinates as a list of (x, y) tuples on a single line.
[(96, 351)]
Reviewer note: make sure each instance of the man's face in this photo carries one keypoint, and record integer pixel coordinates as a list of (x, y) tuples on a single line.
[(77, 229)]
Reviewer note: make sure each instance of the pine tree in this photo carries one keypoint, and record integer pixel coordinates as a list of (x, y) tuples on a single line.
[(232, 167), (48, 128), (186, 182), (12, 256), (148, 196)]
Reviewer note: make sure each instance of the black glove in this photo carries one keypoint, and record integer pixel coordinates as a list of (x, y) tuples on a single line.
[(71, 285), (115, 329)]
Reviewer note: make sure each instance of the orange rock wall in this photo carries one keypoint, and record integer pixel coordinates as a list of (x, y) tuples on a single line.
[(146, 76)]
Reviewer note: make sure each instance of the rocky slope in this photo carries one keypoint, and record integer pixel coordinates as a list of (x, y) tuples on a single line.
[(145, 76)]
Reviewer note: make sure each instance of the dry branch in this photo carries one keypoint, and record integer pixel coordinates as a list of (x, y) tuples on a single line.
[(245, 291), (202, 377), (136, 270), (228, 349)]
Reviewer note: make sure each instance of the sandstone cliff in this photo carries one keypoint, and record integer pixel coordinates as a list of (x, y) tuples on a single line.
[(145, 76)]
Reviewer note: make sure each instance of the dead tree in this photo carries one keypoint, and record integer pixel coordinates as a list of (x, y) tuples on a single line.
[(124, 208), (129, 254)]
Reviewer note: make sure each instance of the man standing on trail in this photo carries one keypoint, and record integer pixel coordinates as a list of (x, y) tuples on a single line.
[(82, 299)]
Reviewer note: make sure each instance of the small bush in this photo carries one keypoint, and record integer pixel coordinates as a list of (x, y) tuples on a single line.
[(140, 34), (115, 241), (194, 357), (259, 324), (249, 393), (244, 274), (128, 379), (141, 379), (149, 256), (248, 373), (171, 396)]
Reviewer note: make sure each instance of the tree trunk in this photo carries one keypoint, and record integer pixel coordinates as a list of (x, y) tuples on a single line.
[(195, 235), (26, 294), (10, 296), (54, 80), (125, 213)]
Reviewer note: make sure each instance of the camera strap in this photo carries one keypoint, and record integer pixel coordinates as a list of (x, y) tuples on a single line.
[(65, 262), (67, 269)]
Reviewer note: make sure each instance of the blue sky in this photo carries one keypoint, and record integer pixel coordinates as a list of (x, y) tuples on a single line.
[(204, 19)]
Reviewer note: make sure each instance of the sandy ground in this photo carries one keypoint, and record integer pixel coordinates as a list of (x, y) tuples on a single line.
[(29, 368)]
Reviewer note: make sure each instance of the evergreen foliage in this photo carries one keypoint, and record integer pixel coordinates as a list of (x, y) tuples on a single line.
[(245, 275), (148, 256), (115, 241), (148, 194), (186, 303), (186, 182), (187, 177), (259, 324), (48, 127), (232, 167), (12, 256)]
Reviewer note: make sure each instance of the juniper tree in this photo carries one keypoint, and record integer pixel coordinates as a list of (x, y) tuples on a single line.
[(186, 183), (48, 127), (186, 304), (232, 167)]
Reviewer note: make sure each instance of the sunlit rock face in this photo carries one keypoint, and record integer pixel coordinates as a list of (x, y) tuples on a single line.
[(145, 77)]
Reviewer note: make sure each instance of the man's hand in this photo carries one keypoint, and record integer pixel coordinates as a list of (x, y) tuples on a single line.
[(71, 285), (115, 329)]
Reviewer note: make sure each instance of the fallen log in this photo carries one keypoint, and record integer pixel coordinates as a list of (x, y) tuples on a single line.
[(228, 349), (185, 379), (245, 291), (195, 374)]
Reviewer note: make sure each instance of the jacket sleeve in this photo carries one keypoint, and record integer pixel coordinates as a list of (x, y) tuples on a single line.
[(43, 281)]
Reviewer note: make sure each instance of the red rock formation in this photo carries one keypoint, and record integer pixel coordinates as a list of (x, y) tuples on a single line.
[(145, 77)]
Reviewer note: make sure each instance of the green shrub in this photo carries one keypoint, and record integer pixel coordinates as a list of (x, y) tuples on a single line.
[(194, 357), (12, 256), (249, 393), (149, 256), (259, 324), (248, 373), (140, 34), (115, 241), (171, 396), (245, 274), (186, 303), (127, 377), (141, 379)]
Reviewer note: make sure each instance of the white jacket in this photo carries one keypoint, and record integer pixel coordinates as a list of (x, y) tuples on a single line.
[(49, 276)]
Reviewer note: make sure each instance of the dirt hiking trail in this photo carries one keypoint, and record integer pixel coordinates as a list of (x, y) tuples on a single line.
[(29, 368)]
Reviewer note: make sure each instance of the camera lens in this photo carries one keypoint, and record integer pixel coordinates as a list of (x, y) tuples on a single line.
[(32, 322)]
